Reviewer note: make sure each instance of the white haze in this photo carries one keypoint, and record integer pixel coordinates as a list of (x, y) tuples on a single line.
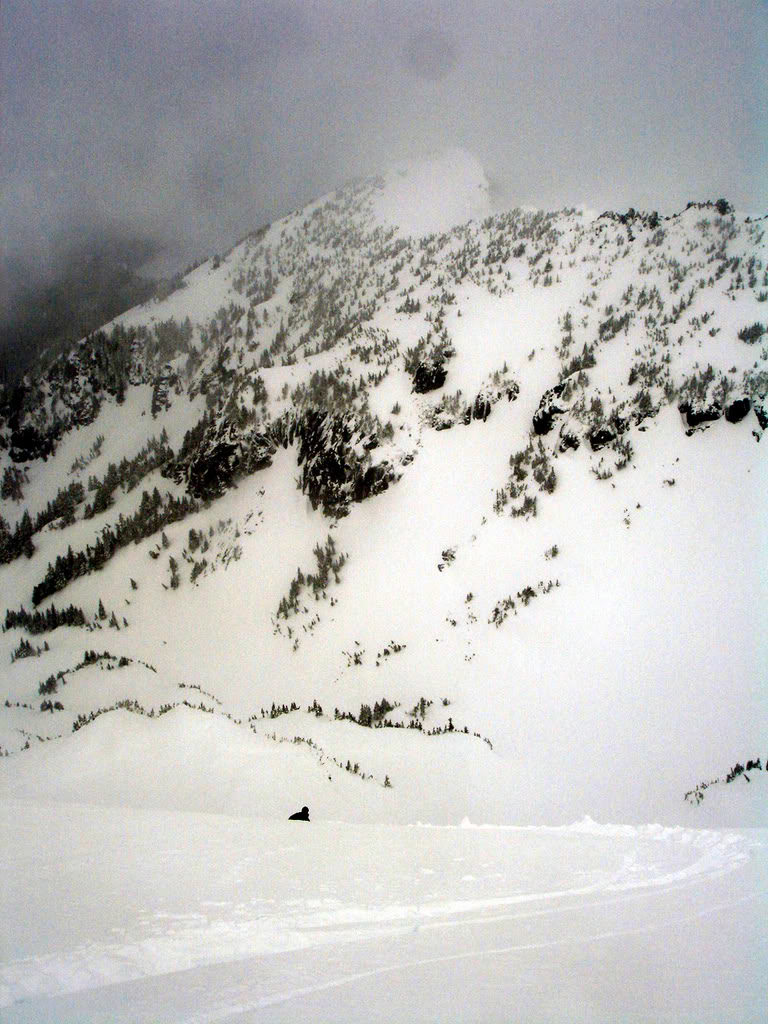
[(194, 124)]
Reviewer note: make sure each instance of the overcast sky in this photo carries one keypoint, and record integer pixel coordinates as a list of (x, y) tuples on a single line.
[(196, 120)]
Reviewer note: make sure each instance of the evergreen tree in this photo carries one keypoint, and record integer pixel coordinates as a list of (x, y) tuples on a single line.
[(11, 489), (5, 541)]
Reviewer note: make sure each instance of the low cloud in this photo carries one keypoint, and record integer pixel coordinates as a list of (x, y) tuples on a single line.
[(189, 124), (431, 54)]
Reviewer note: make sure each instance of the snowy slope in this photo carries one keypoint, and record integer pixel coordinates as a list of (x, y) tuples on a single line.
[(528, 448)]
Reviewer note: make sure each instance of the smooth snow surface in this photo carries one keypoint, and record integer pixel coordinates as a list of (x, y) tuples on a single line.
[(139, 916)]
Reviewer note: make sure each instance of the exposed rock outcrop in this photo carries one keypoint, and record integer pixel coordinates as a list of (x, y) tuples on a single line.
[(737, 410), (337, 464), (549, 408), (334, 453), (601, 436), (451, 410), (430, 375), (210, 463), (699, 414)]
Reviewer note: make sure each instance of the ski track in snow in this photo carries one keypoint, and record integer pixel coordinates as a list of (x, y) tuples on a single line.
[(627, 865), (282, 997)]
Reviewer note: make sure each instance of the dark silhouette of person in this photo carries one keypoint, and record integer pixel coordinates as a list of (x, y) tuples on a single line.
[(302, 815)]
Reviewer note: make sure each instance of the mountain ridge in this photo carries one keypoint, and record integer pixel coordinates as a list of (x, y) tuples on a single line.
[(472, 450)]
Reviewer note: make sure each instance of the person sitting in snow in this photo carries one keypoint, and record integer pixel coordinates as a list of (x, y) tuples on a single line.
[(302, 815)]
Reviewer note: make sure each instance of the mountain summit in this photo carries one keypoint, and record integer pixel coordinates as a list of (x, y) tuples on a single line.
[(420, 197), (404, 509)]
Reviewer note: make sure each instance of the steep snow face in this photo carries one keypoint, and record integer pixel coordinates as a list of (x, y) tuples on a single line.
[(405, 527), (424, 196)]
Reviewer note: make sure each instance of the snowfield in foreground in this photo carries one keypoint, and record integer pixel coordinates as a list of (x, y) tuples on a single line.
[(141, 915)]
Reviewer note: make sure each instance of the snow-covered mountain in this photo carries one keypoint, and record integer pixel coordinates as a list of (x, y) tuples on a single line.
[(405, 508), (409, 510)]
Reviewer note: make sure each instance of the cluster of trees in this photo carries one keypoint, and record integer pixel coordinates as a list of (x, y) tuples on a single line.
[(368, 717), (18, 542), (151, 516), (49, 686), (99, 279), (193, 439), (332, 451), (409, 306), (696, 795), (105, 363), (93, 657), (170, 338), (62, 506), (43, 622), (611, 326), (279, 709), (375, 717), (11, 488), (27, 650), (740, 769), (501, 610), (128, 474), (419, 709), (752, 333), (325, 390), (336, 468), (584, 360), (329, 562), (49, 705)]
